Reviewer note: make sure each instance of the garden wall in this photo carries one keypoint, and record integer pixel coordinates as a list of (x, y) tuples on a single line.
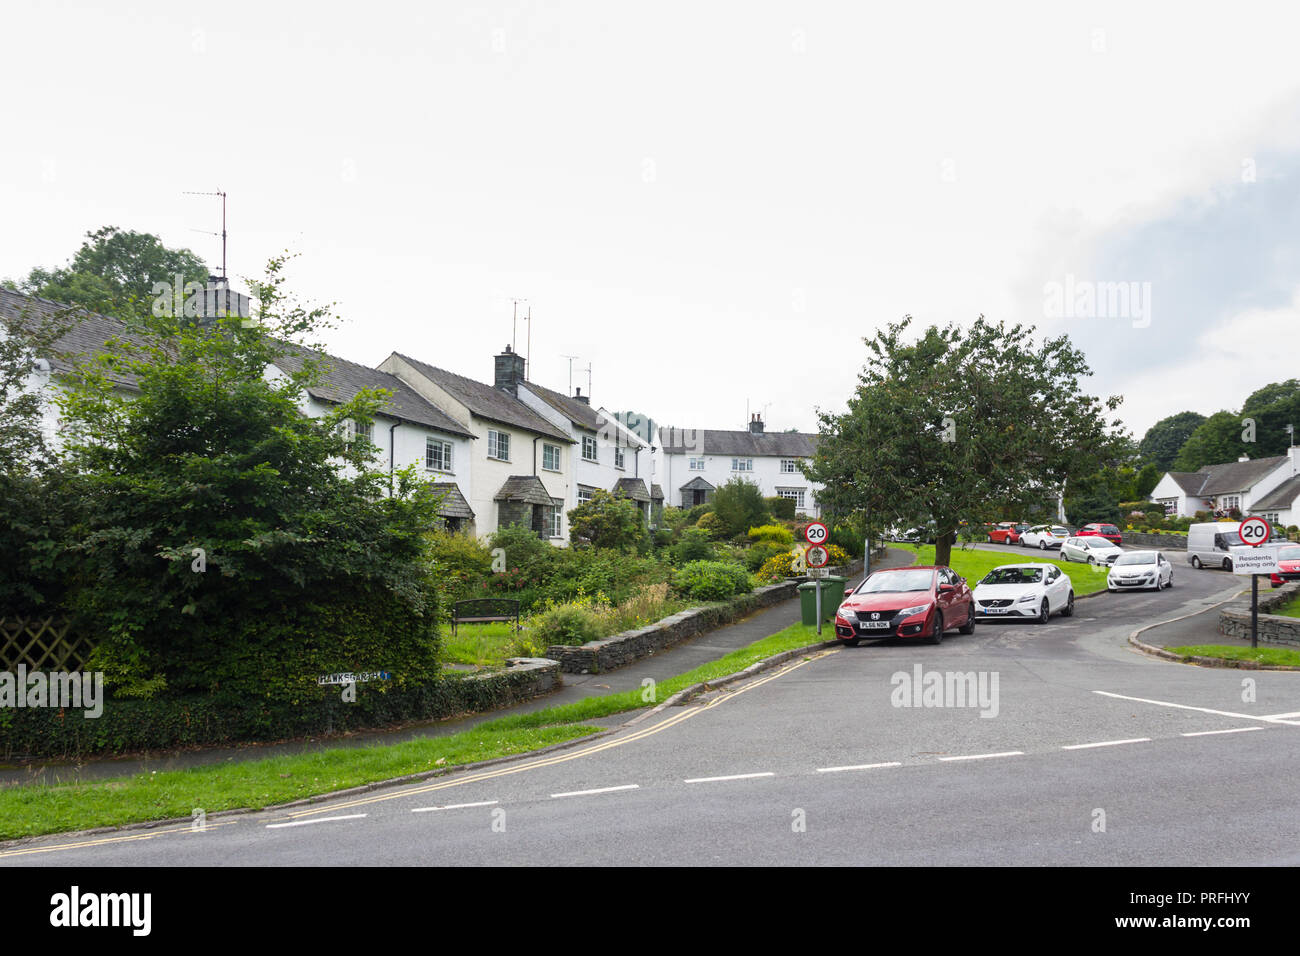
[(1273, 628)]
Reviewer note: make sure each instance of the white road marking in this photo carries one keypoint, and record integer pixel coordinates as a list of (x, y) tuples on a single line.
[(455, 806), (587, 793), (303, 823), (1289, 716), (1109, 743), (734, 776), (1233, 730), (1005, 753), (1203, 710), (861, 766)]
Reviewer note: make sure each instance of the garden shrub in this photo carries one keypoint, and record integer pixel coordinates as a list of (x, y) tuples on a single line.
[(711, 523), (711, 580), (762, 552), (695, 545), (778, 534), (781, 508), (576, 622), (739, 506)]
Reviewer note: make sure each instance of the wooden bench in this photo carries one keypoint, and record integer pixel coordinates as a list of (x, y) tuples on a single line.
[(485, 611)]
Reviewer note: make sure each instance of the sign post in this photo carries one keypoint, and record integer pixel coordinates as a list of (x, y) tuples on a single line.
[(816, 556), (1255, 557)]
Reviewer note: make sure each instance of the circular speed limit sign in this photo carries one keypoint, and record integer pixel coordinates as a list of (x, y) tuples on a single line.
[(817, 556), (1254, 531), (816, 533)]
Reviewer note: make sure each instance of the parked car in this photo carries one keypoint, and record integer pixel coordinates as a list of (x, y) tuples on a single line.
[(1288, 566), (1147, 570), (1024, 590), (1107, 531), (1093, 550), (1044, 536), (1006, 532), (906, 602)]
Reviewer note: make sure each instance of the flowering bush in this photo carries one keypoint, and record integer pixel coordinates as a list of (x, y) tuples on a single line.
[(711, 580)]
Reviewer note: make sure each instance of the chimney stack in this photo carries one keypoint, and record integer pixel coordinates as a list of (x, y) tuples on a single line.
[(509, 370), (585, 399), (755, 425)]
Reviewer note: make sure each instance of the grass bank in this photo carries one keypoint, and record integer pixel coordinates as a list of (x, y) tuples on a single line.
[(1260, 655), (974, 565)]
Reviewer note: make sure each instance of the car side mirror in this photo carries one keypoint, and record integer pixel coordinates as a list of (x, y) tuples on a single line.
[(848, 592), (945, 587)]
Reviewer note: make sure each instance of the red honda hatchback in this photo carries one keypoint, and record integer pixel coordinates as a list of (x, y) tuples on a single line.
[(1107, 531), (1288, 565), (920, 602)]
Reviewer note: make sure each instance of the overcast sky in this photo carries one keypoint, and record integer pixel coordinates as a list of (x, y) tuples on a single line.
[(709, 203)]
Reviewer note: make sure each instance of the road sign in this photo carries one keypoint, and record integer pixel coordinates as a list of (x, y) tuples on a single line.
[(817, 556), (816, 533), (1254, 531), (1260, 559)]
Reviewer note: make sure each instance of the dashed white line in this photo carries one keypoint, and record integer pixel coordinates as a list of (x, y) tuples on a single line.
[(1005, 753), (861, 766), (455, 806), (1231, 730), (1108, 743), (734, 776), (303, 823), (587, 793)]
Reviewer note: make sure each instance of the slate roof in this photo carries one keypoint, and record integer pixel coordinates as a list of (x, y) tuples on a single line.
[(526, 488), (85, 338), (744, 444), (634, 488), (487, 401), (656, 493), (580, 413), (1281, 497), (696, 484), (344, 379), (453, 504), (1228, 477)]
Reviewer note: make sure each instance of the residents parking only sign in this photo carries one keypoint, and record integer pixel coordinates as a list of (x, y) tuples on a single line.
[(1260, 559)]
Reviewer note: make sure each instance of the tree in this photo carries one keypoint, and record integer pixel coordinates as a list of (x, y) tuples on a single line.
[(1215, 440), (739, 506), (607, 521), (221, 550), (1272, 408), (1161, 443), (1147, 479), (114, 273), (959, 424)]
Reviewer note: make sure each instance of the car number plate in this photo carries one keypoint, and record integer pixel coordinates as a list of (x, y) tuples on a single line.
[(994, 610), (875, 625)]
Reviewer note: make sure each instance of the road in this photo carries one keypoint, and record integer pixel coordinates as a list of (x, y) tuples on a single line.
[(1088, 753)]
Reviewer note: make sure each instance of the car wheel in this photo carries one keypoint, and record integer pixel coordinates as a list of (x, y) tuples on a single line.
[(1092, 561), (937, 636), (1171, 581), (969, 626), (1042, 545), (1023, 544), (1069, 606), (1227, 564), (1044, 613), (1196, 561)]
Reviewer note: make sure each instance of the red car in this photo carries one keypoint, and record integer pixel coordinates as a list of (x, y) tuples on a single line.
[(920, 602), (1288, 566), (1007, 532), (1107, 531)]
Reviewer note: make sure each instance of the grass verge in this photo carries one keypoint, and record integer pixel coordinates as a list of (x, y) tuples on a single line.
[(1289, 609), (973, 565), (28, 810), (1260, 655)]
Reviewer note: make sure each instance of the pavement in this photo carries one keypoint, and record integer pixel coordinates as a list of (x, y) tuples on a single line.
[(668, 663)]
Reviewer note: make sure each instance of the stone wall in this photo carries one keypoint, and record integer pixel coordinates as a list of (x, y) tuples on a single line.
[(1161, 542), (629, 646), (1273, 628)]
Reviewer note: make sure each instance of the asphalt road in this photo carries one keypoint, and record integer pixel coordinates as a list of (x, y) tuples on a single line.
[(1081, 751)]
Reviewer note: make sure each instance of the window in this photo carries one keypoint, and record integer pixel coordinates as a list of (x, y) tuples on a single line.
[(437, 455), (789, 466), (1228, 502), (550, 457), (742, 464), (1170, 505), (618, 457), (697, 464), (552, 519), (585, 494), (588, 448), (366, 431), (794, 493), (498, 445)]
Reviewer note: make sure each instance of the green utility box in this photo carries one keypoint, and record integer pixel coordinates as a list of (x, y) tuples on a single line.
[(832, 598)]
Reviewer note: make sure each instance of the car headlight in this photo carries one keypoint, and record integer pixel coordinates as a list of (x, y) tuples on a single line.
[(1026, 597), (849, 615), (909, 611)]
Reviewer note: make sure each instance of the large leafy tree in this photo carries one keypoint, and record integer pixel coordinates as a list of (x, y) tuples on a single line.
[(115, 272), (221, 549), (1161, 443), (1217, 439), (739, 506), (959, 424), (1272, 408)]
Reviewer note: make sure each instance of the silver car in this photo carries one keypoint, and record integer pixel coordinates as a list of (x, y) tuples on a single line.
[(1091, 549)]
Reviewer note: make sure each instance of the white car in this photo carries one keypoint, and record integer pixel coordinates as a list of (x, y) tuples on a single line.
[(1145, 570), (1090, 549), (1024, 590), (1044, 536)]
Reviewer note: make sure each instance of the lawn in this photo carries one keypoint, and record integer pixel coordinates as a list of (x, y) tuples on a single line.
[(1290, 609), (973, 565), (1261, 655), (484, 644), (27, 810)]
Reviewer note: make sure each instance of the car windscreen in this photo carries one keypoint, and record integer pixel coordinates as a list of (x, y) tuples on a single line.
[(1013, 576), (1137, 557), (1289, 554), (884, 581), (1109, 529), (1094, 542), (1061, 532)]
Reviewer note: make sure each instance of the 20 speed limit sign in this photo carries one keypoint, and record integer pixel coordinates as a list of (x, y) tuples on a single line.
[(1254, 531), (817, 556), (816, 533)]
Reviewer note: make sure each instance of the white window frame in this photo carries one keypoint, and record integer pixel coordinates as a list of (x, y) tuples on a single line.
[(496, 440), (789, 466), (554, 451), (697, 464), (590, 449), (619, 460), (555, 520), (585, 494), (444, 457), (797, 494), (742, 464)]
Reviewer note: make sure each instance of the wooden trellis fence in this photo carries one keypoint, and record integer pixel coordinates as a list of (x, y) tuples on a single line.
[(42, 643)]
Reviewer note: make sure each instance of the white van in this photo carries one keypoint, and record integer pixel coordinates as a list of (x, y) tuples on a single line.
[(1207, 544)]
